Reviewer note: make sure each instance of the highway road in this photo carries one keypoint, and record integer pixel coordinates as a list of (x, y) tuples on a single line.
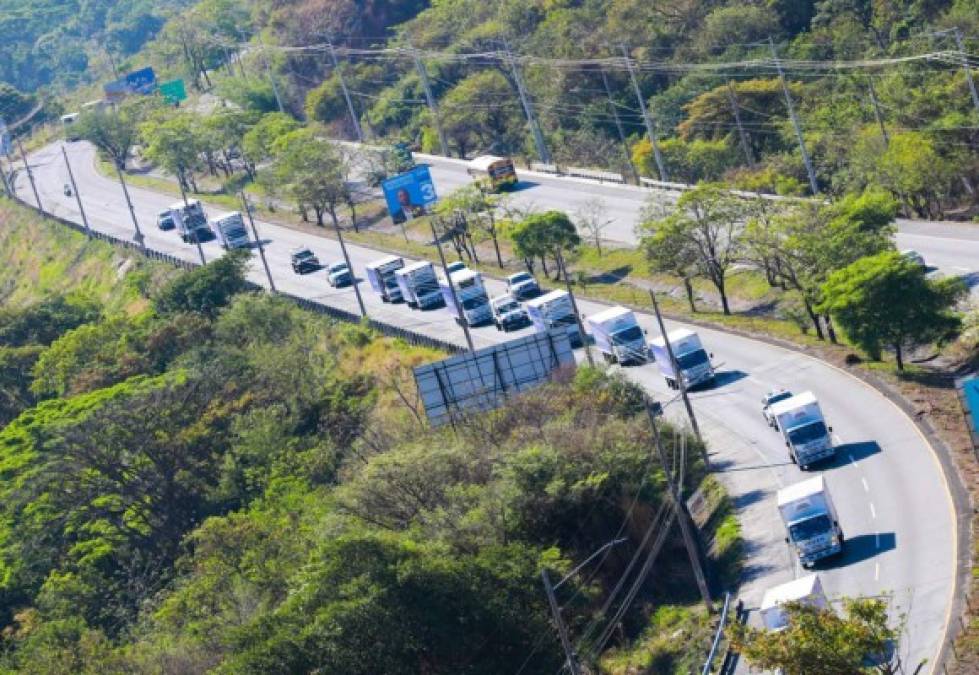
[(949, 248), (894, 503)]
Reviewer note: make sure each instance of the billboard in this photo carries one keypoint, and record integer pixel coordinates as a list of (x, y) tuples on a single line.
[(482, 380), (116, 90), (173, 91), (411, 191), (141, 81)]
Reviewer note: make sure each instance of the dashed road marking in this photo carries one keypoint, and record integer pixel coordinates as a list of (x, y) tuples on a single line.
[(866, 488), (873, 511)]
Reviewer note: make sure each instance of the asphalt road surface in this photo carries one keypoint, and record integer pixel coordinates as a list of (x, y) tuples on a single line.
[(894, 504)]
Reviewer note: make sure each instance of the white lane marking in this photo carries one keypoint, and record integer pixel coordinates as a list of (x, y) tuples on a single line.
[(853, 461), (876, 571), (961, 269), (866, 488), (937, 236), (873, 511)]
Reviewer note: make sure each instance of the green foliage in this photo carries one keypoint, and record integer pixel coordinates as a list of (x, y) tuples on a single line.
[(114, 130), (257, 142), (14, 104), (253, 94), (311, 170), (473, 120), (543, 234), (43, 322), (886, 300), (207, 289)]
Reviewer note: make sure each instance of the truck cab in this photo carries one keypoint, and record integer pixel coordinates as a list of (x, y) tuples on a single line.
[(419, 285), (803, 428), (522, 286), (508, 314), (810, 520), (770, 399), (693, 361), (554, 311), (471, 295), (230, 229), (618, 336), (338, 274), (304, 260)]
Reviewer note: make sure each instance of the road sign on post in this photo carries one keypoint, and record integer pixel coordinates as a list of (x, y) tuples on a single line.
[(141, 81), (409, 193), (173, 92)]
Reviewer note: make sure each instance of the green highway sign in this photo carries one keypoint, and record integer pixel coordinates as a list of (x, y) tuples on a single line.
[(173, 91)]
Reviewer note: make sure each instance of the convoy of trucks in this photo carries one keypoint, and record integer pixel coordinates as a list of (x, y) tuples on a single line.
[(693, 361), (380, 274), (618, 336), (471, 295), (230, 230), (554, 310), (800, 421), (810, 520), (419, 285)]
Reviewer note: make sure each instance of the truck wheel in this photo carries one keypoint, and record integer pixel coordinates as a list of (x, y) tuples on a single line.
[(841, 542), (792, 457)]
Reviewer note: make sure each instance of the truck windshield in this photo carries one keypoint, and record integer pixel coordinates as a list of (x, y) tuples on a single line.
[(507, 307), (473, 303), (812, 431), (566, 320), (519, 278), (810, 527), (391, 282), (692, 360), (627, 336), (237, 233)]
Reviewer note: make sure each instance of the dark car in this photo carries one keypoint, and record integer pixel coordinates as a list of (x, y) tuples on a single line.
[(164, 220), (304, 260)]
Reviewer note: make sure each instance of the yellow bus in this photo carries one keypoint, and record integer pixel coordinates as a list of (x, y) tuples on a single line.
[(493, 173)]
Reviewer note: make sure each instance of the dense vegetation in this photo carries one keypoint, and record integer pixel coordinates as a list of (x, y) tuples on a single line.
[(203, 478)]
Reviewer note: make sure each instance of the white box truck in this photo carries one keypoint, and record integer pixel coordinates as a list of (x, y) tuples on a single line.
[(231, 232), (694, 362), (807, 590), (618, 336), (419, 285), (471, 293), (803, 428), (380, 274), (554, 310), (190, 221), (810, 520)]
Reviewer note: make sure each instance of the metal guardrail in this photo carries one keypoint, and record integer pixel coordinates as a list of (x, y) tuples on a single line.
[(717, 636), (594, 174), (544, 168)]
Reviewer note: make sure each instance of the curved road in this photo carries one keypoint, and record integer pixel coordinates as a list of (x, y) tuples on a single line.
[(895, 506)]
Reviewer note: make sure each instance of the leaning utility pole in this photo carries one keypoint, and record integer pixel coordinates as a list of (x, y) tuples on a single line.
[(646, 117), (346, 94), (618, 127), (353, 277), (877, 114), (745, 147), (966, 68), (690, 540), (795, 120), (30, 177), (78, 197), (258, 240), (268, 72), (138, 237), (460, 317), (542, 153), (197, 239), (432, 105), (562, 270), (678, 378), (562, 629)]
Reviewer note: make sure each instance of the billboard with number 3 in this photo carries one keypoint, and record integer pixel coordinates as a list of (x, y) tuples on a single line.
[(409, 192)]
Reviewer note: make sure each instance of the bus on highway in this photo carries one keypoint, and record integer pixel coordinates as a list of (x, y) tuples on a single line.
[(68, 124), (493, 173)]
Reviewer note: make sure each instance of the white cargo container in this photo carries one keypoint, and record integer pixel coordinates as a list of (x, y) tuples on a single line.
[(693, 360), (807, 590), (419, 285), (554, 310), (230, 229), (471, 294), (810, 520), (380, 274), (618, 336), (801, 423)]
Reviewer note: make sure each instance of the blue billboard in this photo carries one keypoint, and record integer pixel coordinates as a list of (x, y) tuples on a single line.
[(409, 192), (141, 81)]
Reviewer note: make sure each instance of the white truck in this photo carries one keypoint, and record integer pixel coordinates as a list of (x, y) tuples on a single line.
[(522, 286), (618, 336), (471, 293), (693, 361), (191, 221), (419, 285), (380, 274), (801, 423), (508, 314), (231, 232), (810, 520), (807, 590), (554, 310)]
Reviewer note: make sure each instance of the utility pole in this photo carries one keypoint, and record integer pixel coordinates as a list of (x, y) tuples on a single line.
[(795, 120), (745, 147), (346, 94), (678, 378), (646, 117), (460, 317), (542, 153), (618, 126), (691, 541), (30, 176), (572, 658), (197, 239), (261, 247), (78, 197), (268, 72), (138, 237), (877, 113), (966, 68), (432, 105), (574, 306), (353, 277)]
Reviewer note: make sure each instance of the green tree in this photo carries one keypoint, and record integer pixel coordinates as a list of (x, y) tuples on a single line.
[(114, 130), (174, 142), (822, 641), (540, 235), (205, 290), (257, 142), (474, 118), (887, 301), (313, 171), (43, 322)]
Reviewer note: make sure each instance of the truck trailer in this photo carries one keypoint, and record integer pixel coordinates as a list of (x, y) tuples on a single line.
[(801, 423), (810, 520), (380, 274), (694, 363), (554, 310), (806, 590), (231, 232), (419, 285), (471, 294), (190, 221), (618, 336)]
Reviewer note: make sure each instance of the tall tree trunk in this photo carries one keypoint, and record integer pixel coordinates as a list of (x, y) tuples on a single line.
[(529, 264), (830, 331), (472, 246), (688, 287), (319, 215), (228, 169), (543, 266), (816, 323), (353, 214), (719, 283), (899, 356)]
